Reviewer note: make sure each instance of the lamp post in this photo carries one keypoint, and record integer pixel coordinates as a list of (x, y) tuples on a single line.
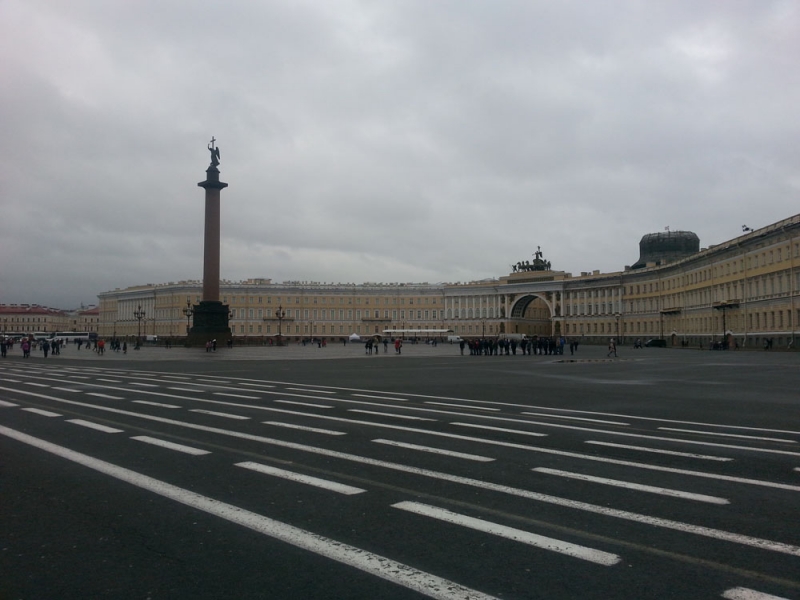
[(280, 314), (188, 311), (139, 315)]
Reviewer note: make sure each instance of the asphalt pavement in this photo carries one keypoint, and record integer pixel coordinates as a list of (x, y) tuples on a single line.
[(307, 472)]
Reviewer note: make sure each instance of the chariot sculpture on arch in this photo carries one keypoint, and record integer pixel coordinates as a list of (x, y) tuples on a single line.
[(214, 152)]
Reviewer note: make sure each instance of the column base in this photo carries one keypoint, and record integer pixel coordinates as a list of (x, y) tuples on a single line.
[(210, 323)]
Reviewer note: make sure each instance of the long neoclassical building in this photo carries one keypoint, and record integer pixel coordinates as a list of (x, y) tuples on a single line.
[(743, 291)]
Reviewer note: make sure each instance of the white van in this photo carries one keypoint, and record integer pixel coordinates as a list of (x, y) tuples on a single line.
[(454, 339)]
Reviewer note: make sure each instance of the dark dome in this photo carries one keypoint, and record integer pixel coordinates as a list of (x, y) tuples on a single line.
[(666, 247)]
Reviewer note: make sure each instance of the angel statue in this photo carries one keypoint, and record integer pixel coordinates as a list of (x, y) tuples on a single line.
[(214, 152)]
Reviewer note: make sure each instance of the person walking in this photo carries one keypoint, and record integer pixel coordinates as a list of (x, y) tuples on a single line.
[(612, 348), (398, 344)]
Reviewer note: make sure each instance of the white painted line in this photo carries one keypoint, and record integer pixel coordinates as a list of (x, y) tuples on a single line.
[(5, 404), (380, 397), (109, 380), (634, 486), (42, 385), (503, 429), (312, 391), (44, 413), (374, 564), (741, 593), (591, 412), (180, 389), (576, 418), (462, 406), (451, 453), (709, 532), (659, 451), (733, 435), (63, 389), (159, 404), (325, 484), (309, 404), (263, 385), (383, 414), (539, 541), (150, 385), (11, 380), (304, 428), (236, 396), (78, 377), (216, 381), (220, 414), (176, 377), (170, 445), (96, 426), (99, 395)]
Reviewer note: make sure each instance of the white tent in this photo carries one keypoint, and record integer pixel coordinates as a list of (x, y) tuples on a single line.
[(354, 337)]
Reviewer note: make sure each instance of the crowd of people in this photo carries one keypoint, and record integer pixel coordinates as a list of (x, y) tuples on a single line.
[(539, 345)]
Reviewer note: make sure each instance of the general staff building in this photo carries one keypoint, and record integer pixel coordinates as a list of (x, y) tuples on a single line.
[(743, 292)]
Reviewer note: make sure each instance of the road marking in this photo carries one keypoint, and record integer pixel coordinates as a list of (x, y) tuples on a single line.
[(41, 385), (176, 377), (155, 404), (576, 418), (325, 484), (180, 389), (96, 426), (758, 482), (217, 381), (263, 385), (311, 391), (44, 413), (99, 395), (304, 428), (5, 404), (228, 395), (574, 504), (591, 412), (734, 435), (659, 451), (79, 376), (109, 380), (398, 573), (383, 414), (170, 445), (741, 593), (303, 404), (462, 406), (451, 453), (539, 541), (150, 385), (63, 389), (634, 486), (380, 397), (11, 380), (220, 414), (503, 429)]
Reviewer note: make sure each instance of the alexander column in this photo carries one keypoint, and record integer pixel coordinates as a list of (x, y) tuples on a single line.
[(211, 316)]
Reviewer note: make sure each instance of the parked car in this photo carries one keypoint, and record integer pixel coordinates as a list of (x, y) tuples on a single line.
[(654, 343)]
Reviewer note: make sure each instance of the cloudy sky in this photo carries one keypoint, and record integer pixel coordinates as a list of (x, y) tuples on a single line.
[(397, 140)]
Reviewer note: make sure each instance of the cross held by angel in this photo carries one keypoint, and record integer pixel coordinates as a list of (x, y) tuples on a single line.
[(214, 152)]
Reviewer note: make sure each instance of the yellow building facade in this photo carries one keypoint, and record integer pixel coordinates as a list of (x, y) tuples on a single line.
[(743, 292)]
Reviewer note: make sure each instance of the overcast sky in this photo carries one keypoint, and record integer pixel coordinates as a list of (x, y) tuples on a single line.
[(411, 141)]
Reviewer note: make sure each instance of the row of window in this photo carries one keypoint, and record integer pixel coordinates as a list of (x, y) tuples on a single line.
[(327, 300)]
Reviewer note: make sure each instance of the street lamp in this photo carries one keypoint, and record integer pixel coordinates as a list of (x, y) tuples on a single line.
[(188, 311), (139, 315), (280, 314)]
